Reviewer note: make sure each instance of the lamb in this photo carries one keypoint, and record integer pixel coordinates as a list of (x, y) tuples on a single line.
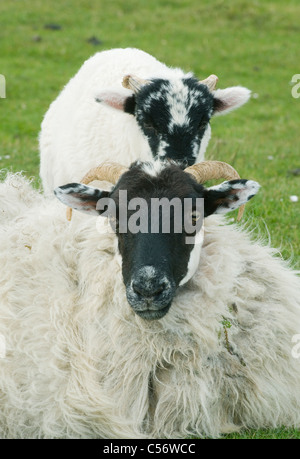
[(170, 343), (162, 112)]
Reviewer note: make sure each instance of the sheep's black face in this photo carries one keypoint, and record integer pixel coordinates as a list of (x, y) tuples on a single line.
[(157, 210), (155, 257), (174, 116)]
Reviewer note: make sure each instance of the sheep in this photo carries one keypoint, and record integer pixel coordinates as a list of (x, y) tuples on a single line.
[(85, 359), (163, 112)]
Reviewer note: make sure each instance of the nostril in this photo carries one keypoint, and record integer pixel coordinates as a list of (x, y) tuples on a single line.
[(159, 290), (137, 288), (147, 291)]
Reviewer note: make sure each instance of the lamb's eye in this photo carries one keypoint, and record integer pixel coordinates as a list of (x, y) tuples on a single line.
[(202, 125), (150, 126)]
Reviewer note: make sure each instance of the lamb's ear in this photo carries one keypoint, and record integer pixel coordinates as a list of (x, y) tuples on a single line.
[(119, 99), (226, 100), (228, 196), (81, 197)]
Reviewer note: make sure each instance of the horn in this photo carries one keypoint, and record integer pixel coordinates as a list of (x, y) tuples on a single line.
[(134, 83), (210, 82), (213, 170), (108, 171)]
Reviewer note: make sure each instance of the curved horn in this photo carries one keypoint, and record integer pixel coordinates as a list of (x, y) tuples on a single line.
[(213, 170), (210, 82), (108, 171), (134, 83)]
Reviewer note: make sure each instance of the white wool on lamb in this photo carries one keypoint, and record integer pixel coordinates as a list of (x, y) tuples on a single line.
[(95, 119)]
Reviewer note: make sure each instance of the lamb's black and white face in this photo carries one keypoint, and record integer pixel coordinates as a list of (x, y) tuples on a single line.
[(174, 116), (155, 262)]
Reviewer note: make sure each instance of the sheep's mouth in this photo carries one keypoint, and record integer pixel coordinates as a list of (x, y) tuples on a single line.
[(153, 314), (152, 306)]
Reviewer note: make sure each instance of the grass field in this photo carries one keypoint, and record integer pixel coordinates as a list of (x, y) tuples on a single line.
[(254, 44)]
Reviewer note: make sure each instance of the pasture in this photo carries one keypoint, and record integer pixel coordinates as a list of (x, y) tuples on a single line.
[(253, 44)]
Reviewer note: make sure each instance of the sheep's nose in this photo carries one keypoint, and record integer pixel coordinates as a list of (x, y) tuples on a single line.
[(149, 283), (150, 292), (148, 289)]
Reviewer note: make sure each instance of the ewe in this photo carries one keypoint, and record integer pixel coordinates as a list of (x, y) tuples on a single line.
[(182, 339)]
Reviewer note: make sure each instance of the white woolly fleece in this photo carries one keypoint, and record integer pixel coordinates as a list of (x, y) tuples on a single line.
[(80, 364)]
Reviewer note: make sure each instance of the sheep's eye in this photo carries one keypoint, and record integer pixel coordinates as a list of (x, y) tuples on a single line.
[(195, 216), (114, 222)]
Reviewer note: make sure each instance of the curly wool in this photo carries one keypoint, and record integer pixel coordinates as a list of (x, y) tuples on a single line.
[(80, 364)]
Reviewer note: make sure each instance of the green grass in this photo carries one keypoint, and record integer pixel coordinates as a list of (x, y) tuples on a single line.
[(279, 434), (254, 44)]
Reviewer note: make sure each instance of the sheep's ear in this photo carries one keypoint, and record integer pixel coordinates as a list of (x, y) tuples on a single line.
[(81, 197), (228, 196), (119, 100), (226, 100)]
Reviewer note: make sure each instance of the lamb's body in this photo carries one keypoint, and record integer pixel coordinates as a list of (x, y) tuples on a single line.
[(80, 363), (171, 119), (81, 125)]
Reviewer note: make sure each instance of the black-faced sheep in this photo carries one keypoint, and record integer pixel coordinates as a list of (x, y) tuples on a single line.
[(158, 348)]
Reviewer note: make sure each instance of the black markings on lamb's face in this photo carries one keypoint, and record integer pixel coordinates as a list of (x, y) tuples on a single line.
[(174, 116)]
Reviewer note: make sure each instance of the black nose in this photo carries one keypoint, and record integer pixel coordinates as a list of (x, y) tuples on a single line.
[(148, 289), (150, 293)]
